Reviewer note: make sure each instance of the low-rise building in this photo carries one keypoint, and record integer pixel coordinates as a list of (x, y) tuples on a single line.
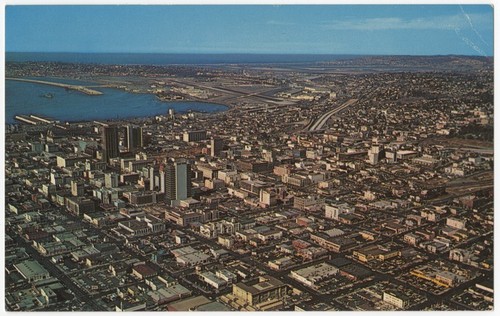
[(312, 275), (31, 270), (264, 293), (396, 298)]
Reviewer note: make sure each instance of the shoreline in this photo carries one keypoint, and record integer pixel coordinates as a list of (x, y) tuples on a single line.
[(146, 117), (78, 88), (111, 86), (168, 104), (228, 107)]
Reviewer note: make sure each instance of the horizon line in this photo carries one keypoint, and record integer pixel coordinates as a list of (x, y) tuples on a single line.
[(234, 53)]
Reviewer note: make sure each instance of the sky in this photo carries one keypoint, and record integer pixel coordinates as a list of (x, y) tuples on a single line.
[(269, 29)]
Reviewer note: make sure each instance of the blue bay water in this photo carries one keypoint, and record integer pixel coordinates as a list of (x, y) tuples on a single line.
[(66, 105)]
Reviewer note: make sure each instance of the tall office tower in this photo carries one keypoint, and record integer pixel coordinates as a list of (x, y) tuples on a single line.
[(194, 136), (133, 137), (111, 180), (176, 181), (110, 142), (77, 188), (216, 145), (163, 180), (154, 177), (375, 154)]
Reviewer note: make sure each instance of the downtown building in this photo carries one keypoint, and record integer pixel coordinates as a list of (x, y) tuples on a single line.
[(110, 143), (175, 181), (216, 146), (194, 136), (133, 137)]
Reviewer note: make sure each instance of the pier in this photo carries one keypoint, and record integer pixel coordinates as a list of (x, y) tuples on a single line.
[(35, 119), (78, 88)]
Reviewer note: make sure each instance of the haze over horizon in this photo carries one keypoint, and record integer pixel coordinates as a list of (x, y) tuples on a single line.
[(228, 29), (250, 54)]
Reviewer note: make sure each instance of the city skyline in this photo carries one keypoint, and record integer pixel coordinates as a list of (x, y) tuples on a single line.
[(253, 29), (346, 185), (249, 158)]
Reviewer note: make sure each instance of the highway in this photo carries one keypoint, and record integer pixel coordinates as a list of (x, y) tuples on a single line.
[(321, 121)]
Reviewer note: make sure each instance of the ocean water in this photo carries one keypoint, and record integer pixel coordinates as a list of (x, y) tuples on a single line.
[(67, 105), (167, 59)]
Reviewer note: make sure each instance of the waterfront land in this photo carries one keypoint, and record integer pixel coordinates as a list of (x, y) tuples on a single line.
[(82, 89), (354, 184)]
